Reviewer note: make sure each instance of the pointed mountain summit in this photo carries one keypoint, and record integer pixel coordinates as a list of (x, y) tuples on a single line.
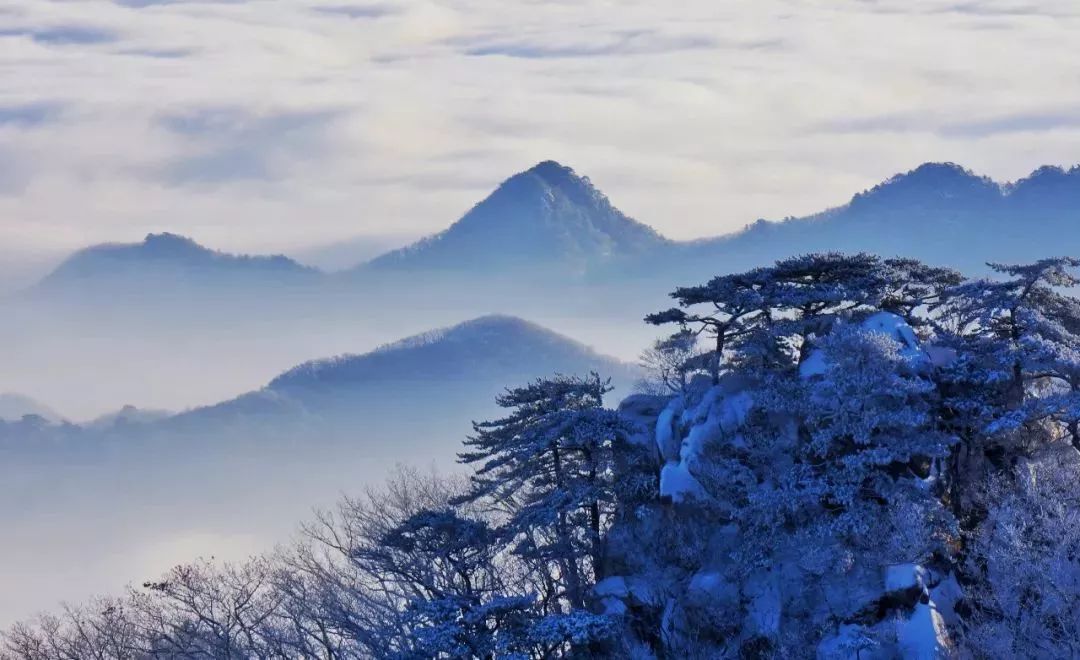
[(547, 217), (163, 260)]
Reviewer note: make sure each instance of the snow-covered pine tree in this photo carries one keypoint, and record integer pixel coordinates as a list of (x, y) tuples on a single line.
[(550, 465), (733, 305)]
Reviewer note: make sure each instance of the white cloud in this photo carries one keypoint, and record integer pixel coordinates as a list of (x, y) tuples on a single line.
[(256, 124)]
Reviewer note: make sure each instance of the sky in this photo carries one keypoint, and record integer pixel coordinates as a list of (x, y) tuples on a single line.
[(262, 125)]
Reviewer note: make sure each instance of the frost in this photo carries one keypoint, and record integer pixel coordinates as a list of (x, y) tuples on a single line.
[(893, 326), (851, 641), (763, 613)]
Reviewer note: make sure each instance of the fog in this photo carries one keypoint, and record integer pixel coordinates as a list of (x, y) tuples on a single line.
[(89, 358), (90, 510)]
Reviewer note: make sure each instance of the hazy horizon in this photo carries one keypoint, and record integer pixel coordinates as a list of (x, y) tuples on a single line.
[(262, 126)]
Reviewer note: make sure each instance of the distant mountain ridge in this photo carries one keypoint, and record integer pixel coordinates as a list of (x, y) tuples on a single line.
[(465, 363), (548, 219), (546, 216), (167, 259), (941, 213), (496, 345)]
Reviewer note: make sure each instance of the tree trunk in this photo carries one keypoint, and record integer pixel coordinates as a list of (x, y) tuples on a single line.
[(562, 530), (597, 553), (720, 336)]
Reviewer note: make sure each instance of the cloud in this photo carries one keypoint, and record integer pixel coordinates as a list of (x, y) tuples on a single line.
[(141, 4), (28, 114), (67, 35), (231, 144), (631, 43), (1034, 121), (157, 53), (1030, 122), (257, 124), (356, 11)]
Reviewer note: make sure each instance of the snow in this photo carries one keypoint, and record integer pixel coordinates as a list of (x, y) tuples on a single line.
[(813, 365), (700, 412), (719, 414), (677, 483), (714, 587), (940, 356), (888, 324), (902, 577), (665, 430), (642, 410), (897, 328), (945, 595), (612, 606), (892, 325), (734, 410), (613, 586), (923, 635)]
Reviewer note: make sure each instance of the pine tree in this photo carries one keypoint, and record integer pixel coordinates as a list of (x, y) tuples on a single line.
[(550, 464), (736, 305)]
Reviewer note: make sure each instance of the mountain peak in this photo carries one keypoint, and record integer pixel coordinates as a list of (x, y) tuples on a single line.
[(168, 244), (500, 325), (931, 182), (556, 174), (489, 344), (938, 175), (550, 167), (546, 217), (162, 261), (169, 238)]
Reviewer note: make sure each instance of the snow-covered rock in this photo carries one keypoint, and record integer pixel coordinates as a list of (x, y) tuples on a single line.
[(945, 595), (667, 432), (677, 484), (903, 577), (683, 431), (713, 587), (923, 636), (642, 410)]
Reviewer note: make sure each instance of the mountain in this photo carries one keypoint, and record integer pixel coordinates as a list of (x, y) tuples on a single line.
[(939, 212), (549, 220), (456, 371), (14, 407), (546, 218), (496, 347), (166, 261)]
